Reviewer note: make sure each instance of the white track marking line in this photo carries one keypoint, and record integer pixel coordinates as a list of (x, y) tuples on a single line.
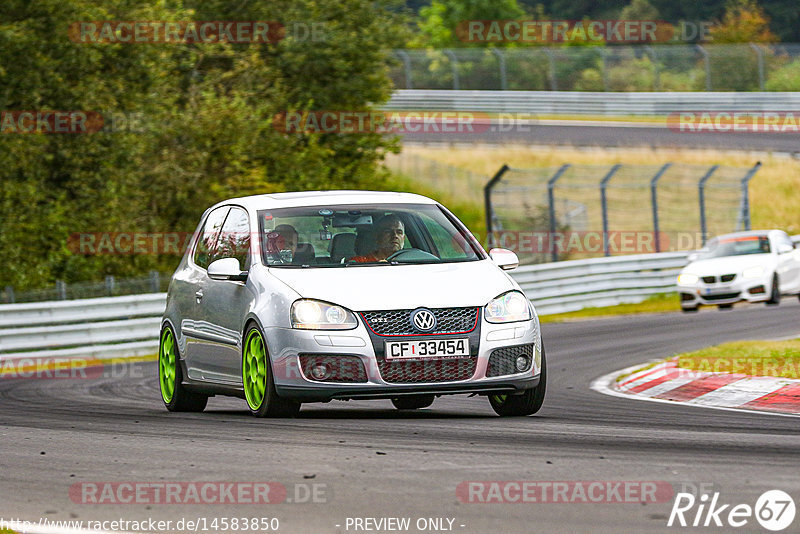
[(739, 392), (34, 527)]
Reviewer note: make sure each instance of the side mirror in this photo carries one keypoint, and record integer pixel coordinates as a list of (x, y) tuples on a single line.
[(783, 248), (226, 269), (693, 256), (504, 258)]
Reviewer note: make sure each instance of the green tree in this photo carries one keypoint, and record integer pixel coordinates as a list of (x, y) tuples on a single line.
[(639, 10), (208, 122), (440, 22)]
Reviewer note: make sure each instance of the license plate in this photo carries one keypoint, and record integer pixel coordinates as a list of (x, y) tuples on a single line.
[(716, 290), (428, 348)]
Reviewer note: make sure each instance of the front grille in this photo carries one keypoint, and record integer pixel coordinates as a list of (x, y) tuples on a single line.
[(341, 368), (398, 322), (416, 371), (710, 279), (721, 296), (503, 361), (727, 277)]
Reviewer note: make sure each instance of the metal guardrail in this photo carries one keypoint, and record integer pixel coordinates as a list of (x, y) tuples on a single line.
[(114, 327), (103, 328), (573, 285), (588, 103)]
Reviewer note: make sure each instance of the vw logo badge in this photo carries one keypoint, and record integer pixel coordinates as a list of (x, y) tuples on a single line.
[(423, 320)]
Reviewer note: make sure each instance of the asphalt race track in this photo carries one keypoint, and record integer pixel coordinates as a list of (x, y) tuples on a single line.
[(615, 136), (373, 461)]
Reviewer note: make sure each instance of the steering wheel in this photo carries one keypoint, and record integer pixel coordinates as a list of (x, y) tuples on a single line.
[(416, 253), (393, 255)]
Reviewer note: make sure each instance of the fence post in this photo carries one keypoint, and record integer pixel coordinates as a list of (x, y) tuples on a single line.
[(501, 60), (551, 207), (110, 285), (155, 281), (552, 63), (10, 294), (406, 59), (707, 64), (701, 185), (61, 290), (760, 55), (656, 71), (604, 205), (746, 195), (654, 202), (454, 63), (487, 203)]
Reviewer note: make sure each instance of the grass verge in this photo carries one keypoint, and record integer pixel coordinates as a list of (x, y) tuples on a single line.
[(779, 359), (663, 302)]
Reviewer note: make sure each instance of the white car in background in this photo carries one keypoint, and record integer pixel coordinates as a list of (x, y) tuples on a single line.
[(753, 266)]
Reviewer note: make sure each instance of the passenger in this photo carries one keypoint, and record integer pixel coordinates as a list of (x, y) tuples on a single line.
[(282, 243), (389, 238)]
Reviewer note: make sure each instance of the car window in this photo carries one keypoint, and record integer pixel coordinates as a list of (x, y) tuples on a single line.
[(448, 245), (345, 235), (234, 239), (206, 245), (737, 246)]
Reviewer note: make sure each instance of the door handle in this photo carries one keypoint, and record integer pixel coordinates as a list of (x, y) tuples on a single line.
[(198, 295)]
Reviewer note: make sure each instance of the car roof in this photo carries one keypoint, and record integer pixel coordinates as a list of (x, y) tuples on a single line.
[(315, 198), (748, 233)]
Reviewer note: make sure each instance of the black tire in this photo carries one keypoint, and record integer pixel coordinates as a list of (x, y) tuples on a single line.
[(527, 403), (775, 295), (689, 310), (270, 404), (413, 402), (725, 306), (181, 399)]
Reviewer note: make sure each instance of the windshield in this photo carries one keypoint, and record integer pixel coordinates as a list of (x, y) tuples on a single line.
[(363, 234), (736, 246)]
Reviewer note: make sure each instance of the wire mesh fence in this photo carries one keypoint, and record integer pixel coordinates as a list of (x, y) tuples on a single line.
[(439, 177), (581, 211), (154, 282), (708, 67)]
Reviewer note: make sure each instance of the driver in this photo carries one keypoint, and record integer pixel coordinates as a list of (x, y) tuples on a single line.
[(389, 238)]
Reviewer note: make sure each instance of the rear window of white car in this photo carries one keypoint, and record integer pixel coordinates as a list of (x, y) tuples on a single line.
[(343, 236)]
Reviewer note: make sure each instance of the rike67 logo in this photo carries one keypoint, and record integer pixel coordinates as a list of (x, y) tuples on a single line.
[(774, 510)]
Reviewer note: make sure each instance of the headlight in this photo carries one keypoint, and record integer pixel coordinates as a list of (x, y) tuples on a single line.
[(686, 279), (508, 308), (753, 272), (316, 315)]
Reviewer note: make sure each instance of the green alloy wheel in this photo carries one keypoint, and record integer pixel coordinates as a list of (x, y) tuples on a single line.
[(176, 397), (259, 386), (526, 404)]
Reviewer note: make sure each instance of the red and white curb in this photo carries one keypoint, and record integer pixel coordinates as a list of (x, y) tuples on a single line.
[(666, 382)]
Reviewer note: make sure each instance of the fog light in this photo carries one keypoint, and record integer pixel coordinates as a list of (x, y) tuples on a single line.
[(522, 363), (319, 371)]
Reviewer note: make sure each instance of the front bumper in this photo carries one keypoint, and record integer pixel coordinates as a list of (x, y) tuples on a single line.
[(291, 381), (738, 290)]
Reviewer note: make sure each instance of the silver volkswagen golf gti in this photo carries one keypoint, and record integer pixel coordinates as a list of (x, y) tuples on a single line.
[(289, 298)]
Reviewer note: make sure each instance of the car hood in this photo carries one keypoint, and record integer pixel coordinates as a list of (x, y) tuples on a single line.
[(728, 264), (385, 287)]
